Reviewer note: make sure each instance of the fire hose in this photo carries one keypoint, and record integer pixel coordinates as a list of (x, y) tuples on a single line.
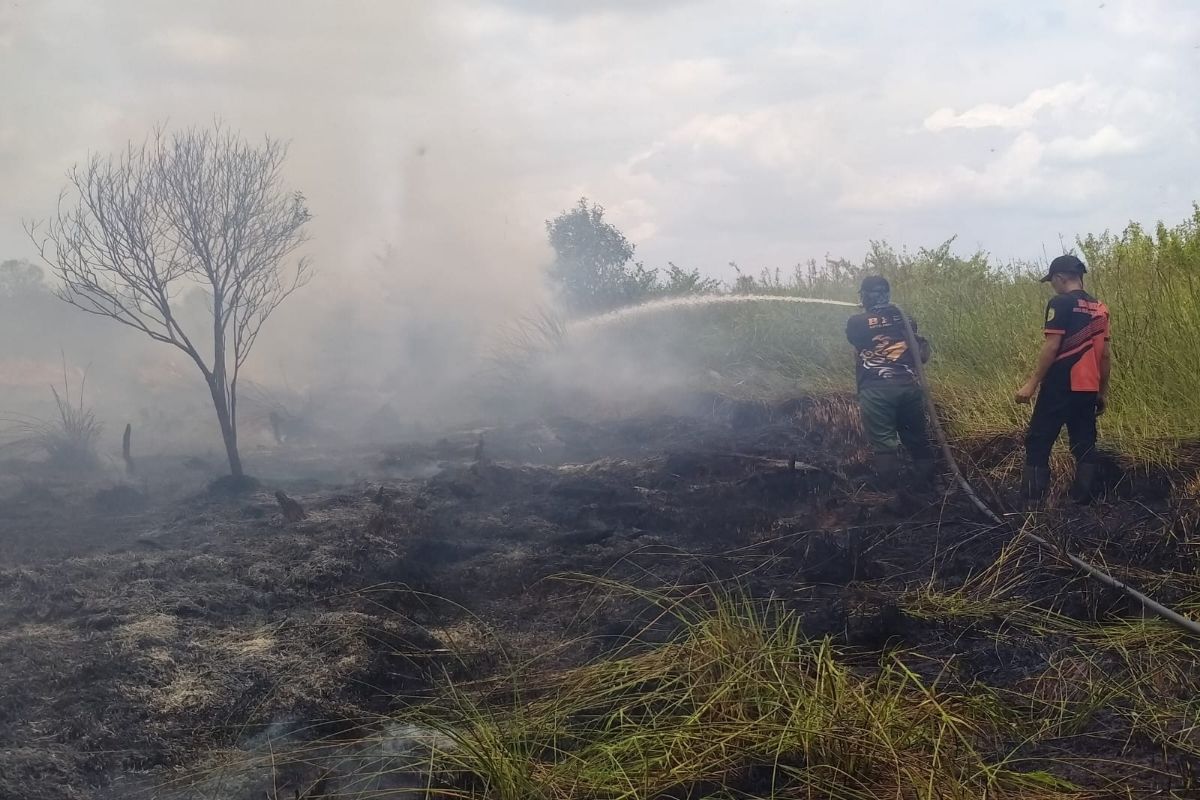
[(1188, 624)]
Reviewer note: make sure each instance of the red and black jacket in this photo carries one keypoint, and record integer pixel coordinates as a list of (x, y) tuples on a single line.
[(1082, 321)]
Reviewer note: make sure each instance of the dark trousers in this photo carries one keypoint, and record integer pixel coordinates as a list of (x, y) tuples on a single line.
[(1055, 408), (893, 415)]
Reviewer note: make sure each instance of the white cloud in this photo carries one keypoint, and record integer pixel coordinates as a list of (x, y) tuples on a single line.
[(1171, 23), (1020, 174), (197, 46), (693, 76), (636, 216), (8, 25), (710, 130), (1107, 141), (775, 137), (1021, 115), (807, 50)]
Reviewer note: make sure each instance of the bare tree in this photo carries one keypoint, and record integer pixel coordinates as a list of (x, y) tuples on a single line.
[(198, 208)]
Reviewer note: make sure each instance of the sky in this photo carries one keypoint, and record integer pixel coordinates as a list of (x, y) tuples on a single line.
[(759, 131)]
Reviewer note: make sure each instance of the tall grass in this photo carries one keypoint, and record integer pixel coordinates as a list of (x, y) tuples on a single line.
[(984, 320), (1151, 283)]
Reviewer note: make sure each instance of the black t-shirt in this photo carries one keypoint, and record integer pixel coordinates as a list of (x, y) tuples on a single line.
[(1082, 321), (883, 357)]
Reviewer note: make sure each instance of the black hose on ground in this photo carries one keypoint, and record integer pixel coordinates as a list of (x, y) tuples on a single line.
[(1188, 624)]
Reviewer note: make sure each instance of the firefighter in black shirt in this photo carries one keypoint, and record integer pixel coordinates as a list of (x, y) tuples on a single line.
[(893, 408), (1072, 373)]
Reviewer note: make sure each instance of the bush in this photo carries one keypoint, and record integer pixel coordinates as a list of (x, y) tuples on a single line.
[(594, 270)]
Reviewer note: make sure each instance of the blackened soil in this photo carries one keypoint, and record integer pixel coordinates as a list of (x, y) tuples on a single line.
[(141, 629)]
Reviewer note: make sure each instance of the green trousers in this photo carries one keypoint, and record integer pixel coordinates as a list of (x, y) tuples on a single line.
[(895, 415)]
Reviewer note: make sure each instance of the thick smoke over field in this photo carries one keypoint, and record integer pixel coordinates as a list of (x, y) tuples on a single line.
[(422, 242)]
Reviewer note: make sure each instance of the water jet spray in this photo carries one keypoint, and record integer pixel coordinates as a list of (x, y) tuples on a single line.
[(664, 304)]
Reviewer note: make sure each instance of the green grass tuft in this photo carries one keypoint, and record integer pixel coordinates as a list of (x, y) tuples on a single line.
[(741, 700)]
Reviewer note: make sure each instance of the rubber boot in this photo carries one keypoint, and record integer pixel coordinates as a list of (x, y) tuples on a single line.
[(887, 471), (887, 480), (1082, 488), (1035, 483), (924, 476)]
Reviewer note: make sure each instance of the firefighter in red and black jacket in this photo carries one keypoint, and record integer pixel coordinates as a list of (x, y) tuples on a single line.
[(1072, 373)]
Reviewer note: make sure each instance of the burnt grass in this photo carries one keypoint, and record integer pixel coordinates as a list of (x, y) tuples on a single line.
[(146, 624)]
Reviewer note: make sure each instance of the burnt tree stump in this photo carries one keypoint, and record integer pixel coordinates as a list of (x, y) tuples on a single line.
[(126, 448), (292, 511)]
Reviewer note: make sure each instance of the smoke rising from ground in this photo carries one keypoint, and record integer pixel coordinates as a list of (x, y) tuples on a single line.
[(422, 239)]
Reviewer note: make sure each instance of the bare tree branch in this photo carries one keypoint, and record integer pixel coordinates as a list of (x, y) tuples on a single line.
[(198, 208)]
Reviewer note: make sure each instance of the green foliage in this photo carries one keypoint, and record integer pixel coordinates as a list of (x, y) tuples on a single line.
[(682, 282), (1151, 283), (29, 312), (594, 270), (19, 278), (592, 261)]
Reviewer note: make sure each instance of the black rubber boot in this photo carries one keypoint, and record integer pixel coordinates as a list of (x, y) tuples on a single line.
[(924, 478), (1083, 488), (887, 480), (887, 471), (1035, 483)]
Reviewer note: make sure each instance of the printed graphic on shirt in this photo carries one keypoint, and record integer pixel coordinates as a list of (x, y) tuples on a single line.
[(884, 359), (1082, 321), (883, 354)]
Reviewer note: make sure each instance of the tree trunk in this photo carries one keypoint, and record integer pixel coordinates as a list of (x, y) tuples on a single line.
[(228, 431)]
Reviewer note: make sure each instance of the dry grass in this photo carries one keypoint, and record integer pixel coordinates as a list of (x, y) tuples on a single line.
[(68, 440), (740, 703)]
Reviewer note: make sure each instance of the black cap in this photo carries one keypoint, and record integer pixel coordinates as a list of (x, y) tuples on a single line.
[(874, 284), (1065, 265)]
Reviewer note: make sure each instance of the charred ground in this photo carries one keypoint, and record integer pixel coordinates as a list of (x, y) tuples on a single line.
[(147, 626)]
